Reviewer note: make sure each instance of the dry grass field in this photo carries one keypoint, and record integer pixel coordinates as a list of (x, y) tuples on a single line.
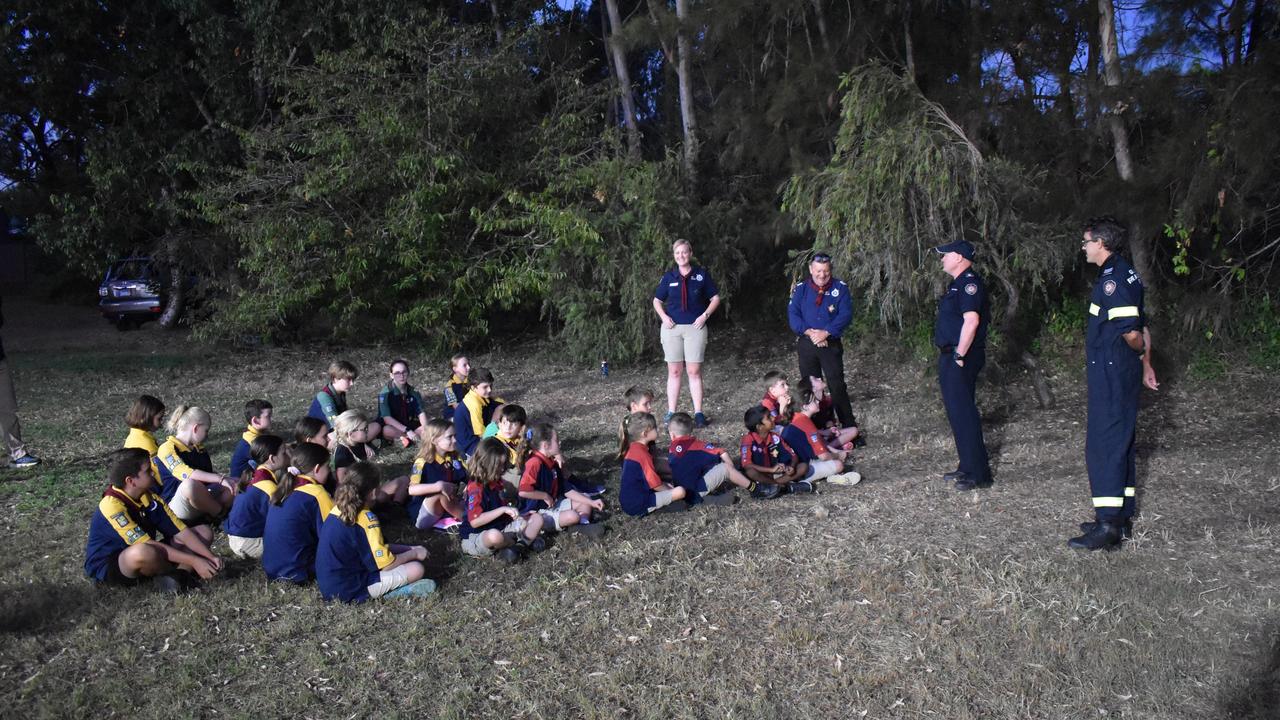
[(898, 598)]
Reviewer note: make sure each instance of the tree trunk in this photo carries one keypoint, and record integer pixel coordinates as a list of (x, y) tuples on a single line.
[(822, 26), (909, 48), (688, 121), (1119, 133), (176, 301), (624, 78), (497, 20)]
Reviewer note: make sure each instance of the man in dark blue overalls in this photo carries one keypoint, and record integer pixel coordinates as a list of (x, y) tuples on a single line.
[(961, 337), (1117, 354)]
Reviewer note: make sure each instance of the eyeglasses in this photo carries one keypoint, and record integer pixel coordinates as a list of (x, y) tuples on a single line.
[(822, 258), (399, 372)]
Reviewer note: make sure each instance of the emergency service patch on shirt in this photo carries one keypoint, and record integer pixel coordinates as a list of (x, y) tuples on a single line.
[(698, 277), (1109, 287), (971, 289), (835, 293), (120, 519)]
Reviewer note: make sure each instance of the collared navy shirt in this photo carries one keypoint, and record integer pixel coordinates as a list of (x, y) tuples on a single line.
[(965, 293), (1115, 308), (686, 296), (833, 311)]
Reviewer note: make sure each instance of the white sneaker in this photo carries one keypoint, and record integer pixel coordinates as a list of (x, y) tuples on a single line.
[(849, 478)]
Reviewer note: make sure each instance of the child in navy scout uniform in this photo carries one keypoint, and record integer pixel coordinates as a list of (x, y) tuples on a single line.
[(311, 430), (701, 468), (144, 418), (353, 561), (298, 509), (825, 418), (475, 412), (511, 424), (777, 395), (400, 406), (437, 477), (805, 441), (331, 400), (545, 489), (248, 516), (491, 524), (456, 387), (188, 483), (767, 458), (642, 490), (257, 418), (134, 534), (352, 430), (640, 400)]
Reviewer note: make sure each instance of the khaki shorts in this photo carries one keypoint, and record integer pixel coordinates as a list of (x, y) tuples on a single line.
[(819, 469), (715, 477), (181, 504), (389, 580), (243, 547), (684, 343), (551, 517), (474, 546)]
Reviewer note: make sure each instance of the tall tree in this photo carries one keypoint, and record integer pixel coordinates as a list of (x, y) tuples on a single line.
[(622, 72), (688, 117)]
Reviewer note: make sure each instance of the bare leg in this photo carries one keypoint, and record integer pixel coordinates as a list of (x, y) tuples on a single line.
[(695, 384), (674, 371)]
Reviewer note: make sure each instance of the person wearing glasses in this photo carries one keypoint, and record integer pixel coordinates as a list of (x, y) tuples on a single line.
[(685, 299), (960, 334), (819, 312), (400, 406), (1117, 365)]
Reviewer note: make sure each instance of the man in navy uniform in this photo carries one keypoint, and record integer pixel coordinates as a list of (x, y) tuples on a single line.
[(819, 311), (961, 337), (1118, 362)]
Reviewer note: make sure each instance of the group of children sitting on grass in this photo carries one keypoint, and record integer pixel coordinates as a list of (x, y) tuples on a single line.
[(309, 509)]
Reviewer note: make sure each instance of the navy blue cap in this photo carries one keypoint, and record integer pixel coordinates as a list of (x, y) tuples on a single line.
[(964, 247)]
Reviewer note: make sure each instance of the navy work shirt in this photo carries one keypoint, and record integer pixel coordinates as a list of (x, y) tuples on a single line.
[(965, 293), (1114, 309)]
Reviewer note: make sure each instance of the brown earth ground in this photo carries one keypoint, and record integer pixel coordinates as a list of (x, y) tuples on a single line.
[(896, 598)]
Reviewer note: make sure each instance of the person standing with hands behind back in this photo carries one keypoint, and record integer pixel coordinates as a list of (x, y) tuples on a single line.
[(685, 298), (1118, 363), (961, 336)]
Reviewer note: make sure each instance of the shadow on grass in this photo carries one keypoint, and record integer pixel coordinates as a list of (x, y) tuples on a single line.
[(44, 607), (1258, 696)]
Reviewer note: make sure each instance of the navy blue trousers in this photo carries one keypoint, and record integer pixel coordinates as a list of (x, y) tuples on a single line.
[(958, 395), (1110, 450)]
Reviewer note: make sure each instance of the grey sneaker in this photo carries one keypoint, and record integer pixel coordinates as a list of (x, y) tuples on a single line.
[(24, 462)]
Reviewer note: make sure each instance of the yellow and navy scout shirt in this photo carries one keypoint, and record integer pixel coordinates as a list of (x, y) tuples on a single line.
[(468, 422), (248, 516), (350, 558), (122, 522), (177, 462), (145, 441), (442, 468), (292, 531), (241, 458)]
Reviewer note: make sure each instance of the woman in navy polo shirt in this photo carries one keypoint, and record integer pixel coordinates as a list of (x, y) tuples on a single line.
[(684, 300)]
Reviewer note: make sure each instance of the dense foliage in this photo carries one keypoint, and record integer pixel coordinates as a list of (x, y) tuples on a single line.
[(447, 169)]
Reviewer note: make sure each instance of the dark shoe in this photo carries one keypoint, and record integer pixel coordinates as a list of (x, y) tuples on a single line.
[(766, 491), (700, 420), (1126, 528), (591, 491), (167, 584), (512, 538), (509, 555), (952, 476), (800, 487), (535, 545), (593, 531), (860, 441), (724, 498), (966, 483), (1104, 536), (674, 507)]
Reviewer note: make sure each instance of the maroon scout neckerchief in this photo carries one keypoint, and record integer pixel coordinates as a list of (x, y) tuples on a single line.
[(819, 289)]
